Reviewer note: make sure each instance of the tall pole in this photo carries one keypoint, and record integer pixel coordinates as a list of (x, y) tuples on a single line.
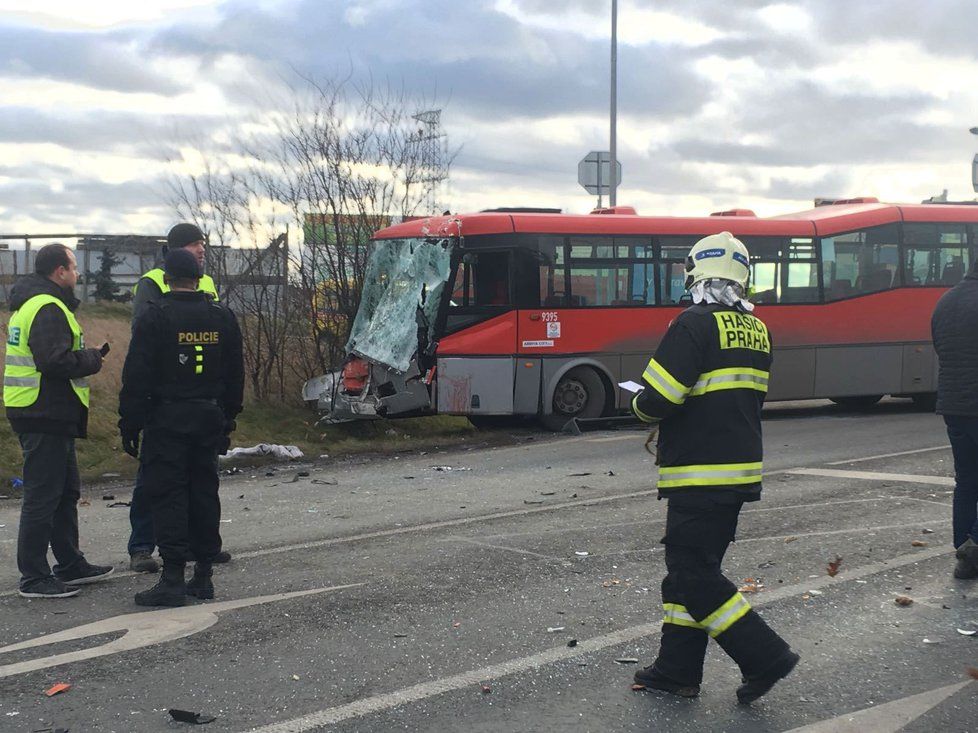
[(613, 195)]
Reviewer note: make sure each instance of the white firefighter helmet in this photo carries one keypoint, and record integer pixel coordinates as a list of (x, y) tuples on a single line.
[(720, 256)]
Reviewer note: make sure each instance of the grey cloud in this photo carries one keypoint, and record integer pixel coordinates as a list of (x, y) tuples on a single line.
[(97, 59)]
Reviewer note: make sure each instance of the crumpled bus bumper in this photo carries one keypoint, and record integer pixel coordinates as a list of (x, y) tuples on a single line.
[(387, 394)]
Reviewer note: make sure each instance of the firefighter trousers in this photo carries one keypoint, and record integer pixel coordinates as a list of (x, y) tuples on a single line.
[(180, 475), (700, 603)]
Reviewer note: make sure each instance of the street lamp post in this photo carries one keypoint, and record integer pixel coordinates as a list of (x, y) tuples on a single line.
[(613, 191), (974, 164)]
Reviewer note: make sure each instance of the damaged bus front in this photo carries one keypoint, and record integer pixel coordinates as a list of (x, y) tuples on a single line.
[(390, 361)]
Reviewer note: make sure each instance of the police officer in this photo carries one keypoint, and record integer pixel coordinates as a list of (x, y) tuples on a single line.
[(704, 389), (182, 387), (150, 288)]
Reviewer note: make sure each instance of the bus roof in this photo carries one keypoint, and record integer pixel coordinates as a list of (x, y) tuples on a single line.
[(824, 220)]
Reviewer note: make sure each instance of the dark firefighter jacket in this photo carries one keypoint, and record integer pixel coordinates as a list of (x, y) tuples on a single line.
[(184, 347), (706, 383), (57, 410), (955, 329)]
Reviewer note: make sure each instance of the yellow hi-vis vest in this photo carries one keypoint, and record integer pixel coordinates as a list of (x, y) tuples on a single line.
[(21, 379), (206, 283)]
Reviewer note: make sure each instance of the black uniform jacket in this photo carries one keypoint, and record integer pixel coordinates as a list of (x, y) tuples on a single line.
[(184, 347), (954, 326), (706, 383), (57, 410)]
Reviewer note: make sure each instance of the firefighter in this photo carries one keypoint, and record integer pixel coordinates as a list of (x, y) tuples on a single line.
[(149, 289), (704, 389), (182, 387)]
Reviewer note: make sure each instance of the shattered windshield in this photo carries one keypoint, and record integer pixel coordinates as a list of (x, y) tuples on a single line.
[(402, 288)]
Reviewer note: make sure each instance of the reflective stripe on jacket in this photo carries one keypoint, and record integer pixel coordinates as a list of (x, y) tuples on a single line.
[(21, 378)]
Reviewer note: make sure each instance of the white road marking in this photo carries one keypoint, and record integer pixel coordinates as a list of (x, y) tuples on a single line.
[(142, 629), (890, 717), (424, 690), (889, 455), (875, 476)]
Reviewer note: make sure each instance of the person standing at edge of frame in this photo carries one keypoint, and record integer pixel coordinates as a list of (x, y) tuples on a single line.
[(704, 389), (46, 393), (182, 388), (150, 288), (954, 327)]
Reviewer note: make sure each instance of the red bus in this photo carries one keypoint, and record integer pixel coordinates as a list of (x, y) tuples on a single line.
[(517, 312)]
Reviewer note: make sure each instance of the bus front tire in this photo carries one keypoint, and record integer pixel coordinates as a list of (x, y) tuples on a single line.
[(579, 393), (861, 402)]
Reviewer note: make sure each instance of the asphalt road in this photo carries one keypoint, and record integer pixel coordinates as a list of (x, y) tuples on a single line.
[(395, 594)]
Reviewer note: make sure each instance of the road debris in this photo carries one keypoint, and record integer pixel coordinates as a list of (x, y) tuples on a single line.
[(449, 468), (118, 503), (582, 554), (554, 629), (84, 502), (57, 689), (486, 689), (108, 497), (185, 716), (324, 482), (285, 452), (572, 643), (533, 501), (790, 539), (751, 585), (965, 632), (972, 673), (636, 687), (586, 473), (627, 660), (400, 636), (927, 531), (903, 600), (833, 568), (918, 543)]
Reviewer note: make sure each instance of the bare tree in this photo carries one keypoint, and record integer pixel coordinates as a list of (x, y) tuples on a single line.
[(338, 161)]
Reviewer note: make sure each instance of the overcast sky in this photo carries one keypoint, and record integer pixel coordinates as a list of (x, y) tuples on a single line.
[(722, 103)]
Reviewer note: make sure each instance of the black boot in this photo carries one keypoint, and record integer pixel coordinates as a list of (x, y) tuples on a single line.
[(755, 687), (170, 590), (201, 585), (652, 679), (967, 556)]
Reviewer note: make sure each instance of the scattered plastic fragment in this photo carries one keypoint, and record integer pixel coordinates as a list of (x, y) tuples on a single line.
[(586, 473), (927, 531), (57, 689), (815, 592), (295, 677), (903, 600), (918, 543), (547, 493), (611, 473), (572, 643), (751, 585), (582, 554), (965, 632), (533, 501), (449, 468), (627, 660), (323, 482), (933, 641), (84, 502), (554, 629), (636, 687), (456, 624), (790, 539), (118, 503), (400, 636), (108, 497), (833, 568), (486, 689), (185, 716)]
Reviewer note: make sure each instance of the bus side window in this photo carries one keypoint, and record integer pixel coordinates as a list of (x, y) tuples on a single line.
[(491, 278)]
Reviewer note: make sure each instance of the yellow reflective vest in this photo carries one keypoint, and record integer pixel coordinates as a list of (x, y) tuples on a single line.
[(206, 283), (21, 378)]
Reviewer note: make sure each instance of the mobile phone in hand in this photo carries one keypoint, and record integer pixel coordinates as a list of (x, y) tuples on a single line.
[(104, 349)]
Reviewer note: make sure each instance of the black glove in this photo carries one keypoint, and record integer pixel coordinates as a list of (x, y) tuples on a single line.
[(130, 441)]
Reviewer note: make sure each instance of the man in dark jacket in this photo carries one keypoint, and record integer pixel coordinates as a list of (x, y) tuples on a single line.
[(954, 326), (182, 387), (150, 289), (46, 394), (704, 388)]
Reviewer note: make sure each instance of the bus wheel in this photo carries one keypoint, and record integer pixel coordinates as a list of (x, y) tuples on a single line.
[(579, 393), (862, 402)]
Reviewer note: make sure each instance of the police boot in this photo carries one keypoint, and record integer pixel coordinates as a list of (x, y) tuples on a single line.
[(170, 590), (201, 586), (967, 556)]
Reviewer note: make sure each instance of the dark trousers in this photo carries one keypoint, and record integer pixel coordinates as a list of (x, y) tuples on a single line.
[(49, 512), (179, 462), (962, 431), (701, 603), (141, 538)]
